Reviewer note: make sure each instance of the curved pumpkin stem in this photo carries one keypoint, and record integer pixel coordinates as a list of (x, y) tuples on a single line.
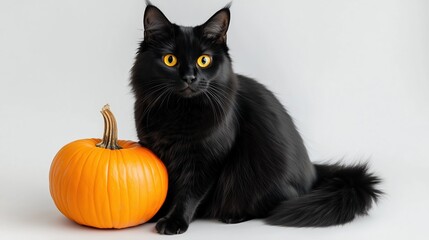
[(110, 136)]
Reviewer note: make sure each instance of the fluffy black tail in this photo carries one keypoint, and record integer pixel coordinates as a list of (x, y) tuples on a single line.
[(339, 195)]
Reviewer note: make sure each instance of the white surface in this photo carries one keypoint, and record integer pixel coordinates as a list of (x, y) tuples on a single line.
[(353, 74)]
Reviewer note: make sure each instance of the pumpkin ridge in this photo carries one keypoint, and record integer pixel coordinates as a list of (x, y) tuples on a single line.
[(118, 201), (135, 184), (61, 182), (152, 173), (68, 179), (79, 183), (140, 217), (163, 184), (54, 175), (120, 189), (126, 184), (56, 170), (94, 186), (108, 188), (141, 177), (151, 156)]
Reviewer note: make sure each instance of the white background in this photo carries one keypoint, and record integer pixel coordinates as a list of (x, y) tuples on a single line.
[(353, 74)]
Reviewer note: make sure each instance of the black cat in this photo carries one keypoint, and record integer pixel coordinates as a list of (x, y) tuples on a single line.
[(231, 150)]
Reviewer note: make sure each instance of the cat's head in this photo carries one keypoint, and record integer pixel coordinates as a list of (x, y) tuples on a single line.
[(181, 61)]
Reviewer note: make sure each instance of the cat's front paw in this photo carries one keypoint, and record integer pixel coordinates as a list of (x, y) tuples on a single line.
[(233, 220), (170, 226)]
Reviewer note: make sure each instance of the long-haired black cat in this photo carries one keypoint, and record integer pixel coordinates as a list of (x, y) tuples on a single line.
[(231, 149)]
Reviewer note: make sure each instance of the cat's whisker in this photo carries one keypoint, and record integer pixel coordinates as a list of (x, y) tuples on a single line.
[(169, 92), (218, 103), (149, 104), (153, 91), (211, 105), (236, 113), (153, 104), (216, 98)]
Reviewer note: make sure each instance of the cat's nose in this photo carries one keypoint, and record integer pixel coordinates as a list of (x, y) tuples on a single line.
[(189, 78)]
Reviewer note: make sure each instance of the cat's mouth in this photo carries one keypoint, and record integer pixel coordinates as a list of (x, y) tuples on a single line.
[(188, 91)]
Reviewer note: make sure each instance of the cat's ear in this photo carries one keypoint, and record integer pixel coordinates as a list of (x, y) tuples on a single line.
[(216, 27), (154, 22)]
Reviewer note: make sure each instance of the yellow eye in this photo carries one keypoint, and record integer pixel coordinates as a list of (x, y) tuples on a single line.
[(170, 60), (204, 61)]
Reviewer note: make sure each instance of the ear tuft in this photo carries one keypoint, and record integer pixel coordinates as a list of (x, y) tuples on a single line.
[(217, 26)]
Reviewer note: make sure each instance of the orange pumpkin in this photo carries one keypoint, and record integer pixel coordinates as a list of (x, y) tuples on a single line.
[(107, 183)]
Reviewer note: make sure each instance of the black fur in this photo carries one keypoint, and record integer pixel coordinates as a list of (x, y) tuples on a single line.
[(231, 150)]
